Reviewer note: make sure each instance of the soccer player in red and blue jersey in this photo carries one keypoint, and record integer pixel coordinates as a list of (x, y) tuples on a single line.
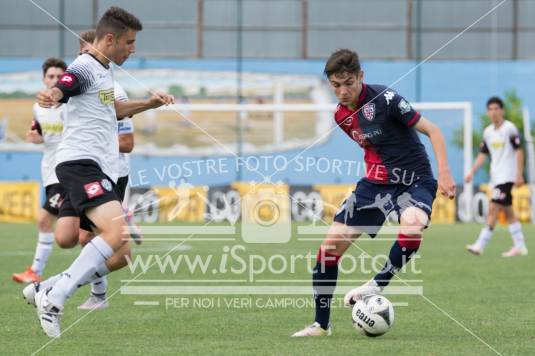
[(398, 178)]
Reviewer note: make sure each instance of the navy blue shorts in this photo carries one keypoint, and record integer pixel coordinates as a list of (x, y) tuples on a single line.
[(369, 205)]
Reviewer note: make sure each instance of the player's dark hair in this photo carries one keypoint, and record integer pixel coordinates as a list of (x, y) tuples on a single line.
[(53, 63), (341, 61), (87, 37), (117, 21), (495, 100)]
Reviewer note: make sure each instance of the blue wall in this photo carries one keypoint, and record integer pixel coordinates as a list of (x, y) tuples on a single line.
[(472, 81)]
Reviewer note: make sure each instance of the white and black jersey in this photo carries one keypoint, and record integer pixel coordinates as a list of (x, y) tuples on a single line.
[(49, 123), (500, 143), (124, 126), (90, 125)]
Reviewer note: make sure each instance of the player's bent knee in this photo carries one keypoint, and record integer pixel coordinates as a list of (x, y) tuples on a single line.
[(66, 233), (413, 221), (66, 240)]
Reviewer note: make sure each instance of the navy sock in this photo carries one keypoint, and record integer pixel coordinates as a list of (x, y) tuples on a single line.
[(324, 282), (397, 258)]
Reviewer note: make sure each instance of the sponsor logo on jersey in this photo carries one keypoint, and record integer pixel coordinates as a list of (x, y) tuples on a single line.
[(389, 95), (106, 184), (369, 111), (52, 128), (67, 79), (106, 96), (93, 189), (404, 107), (497, 144)]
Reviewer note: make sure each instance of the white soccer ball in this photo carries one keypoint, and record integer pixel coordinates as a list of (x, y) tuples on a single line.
[(373, 315)]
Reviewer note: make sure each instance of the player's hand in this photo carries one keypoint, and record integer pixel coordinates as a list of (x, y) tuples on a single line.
[(33, 136), (469, 177), (46, 99), (159, 98), (519, 181), (446, 185)]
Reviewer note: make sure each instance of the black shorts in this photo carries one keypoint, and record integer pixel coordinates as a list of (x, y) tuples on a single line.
[(87, 187), (67, 210), (55, 195), (369, 205), (501, 194), (120, 187)]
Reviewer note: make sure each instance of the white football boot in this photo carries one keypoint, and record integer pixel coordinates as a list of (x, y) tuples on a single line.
[(48, 314), (475, 249), (313, 330), (94, 302), (516, 251), (30, 291), (358, 293)]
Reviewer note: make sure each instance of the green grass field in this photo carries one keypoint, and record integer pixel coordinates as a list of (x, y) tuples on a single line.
[(489, 295)]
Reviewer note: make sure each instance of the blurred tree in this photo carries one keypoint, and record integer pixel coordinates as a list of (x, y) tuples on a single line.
[(177, 91)]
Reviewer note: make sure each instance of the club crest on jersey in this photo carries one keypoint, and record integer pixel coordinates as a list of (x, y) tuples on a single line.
[(106, 96), (368, 111), (67, 79), (106, 184), (93, 189)]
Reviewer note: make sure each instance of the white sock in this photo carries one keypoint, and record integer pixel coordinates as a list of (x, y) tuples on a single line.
[(101, 272), (99, 286), (96, 252), (45, 243), (50, 281), (516, 233), (484, 237)]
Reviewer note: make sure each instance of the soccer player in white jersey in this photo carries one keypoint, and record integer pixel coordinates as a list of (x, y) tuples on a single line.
[(87, 155), (46, 129), (502, 144), (125, 129), (68, 233)]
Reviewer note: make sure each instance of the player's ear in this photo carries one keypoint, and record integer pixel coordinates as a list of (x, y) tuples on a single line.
[(360, 76), (109, 38)]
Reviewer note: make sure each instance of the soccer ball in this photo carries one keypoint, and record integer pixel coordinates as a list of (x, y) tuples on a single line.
[(373, 315)]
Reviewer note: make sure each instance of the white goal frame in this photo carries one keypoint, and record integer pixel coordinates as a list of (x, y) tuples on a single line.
[(279, 109)]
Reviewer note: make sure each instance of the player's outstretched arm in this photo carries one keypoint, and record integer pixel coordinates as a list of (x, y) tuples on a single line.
[(446, 184), (480, 159), (132, 107)]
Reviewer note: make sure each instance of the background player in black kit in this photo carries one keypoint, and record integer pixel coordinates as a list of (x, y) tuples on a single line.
[(385, 125)]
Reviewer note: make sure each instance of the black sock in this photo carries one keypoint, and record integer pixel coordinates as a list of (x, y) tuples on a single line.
[(397, 258), (324, 282)]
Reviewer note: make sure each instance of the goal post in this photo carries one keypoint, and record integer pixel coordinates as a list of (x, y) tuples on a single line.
[(530, 156), (279, 109)]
